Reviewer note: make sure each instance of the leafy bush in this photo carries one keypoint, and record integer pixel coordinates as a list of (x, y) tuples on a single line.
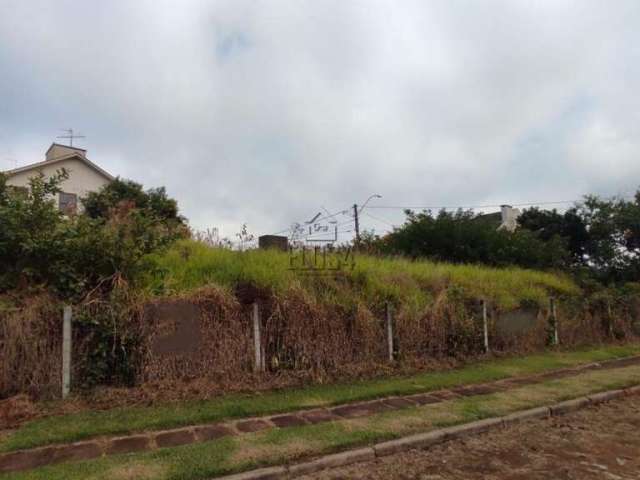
[(119, 193), (109, 343), (466, 237), (74, 255), (613, 245), (597, 238), (549, 224), (31, 232)]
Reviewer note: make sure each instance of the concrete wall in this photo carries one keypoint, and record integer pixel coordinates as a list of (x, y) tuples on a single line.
[(82, 178)]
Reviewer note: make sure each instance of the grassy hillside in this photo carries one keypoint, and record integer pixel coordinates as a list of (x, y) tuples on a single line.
[(189, 265)]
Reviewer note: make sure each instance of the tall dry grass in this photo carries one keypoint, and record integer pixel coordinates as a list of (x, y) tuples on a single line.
[(306, 338), (31, 346), (224, 347)]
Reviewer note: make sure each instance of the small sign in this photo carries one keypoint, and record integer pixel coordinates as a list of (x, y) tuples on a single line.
[(519, 321), (177, 328)]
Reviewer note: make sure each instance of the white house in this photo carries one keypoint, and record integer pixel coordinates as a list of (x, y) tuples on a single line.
[(84, 175)]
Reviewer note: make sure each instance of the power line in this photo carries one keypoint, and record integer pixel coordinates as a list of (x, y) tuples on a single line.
[(451, 207), (379, 219), (421, 207), (414, 207)]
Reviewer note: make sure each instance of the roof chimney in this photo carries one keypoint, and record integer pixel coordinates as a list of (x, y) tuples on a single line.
[(505, 211), (56, 151), (509, 218)]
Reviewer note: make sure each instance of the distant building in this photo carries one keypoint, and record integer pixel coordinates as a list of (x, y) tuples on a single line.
[(84, 175)]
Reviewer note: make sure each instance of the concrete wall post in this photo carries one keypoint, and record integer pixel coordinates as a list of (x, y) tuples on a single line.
[(66, 350), (389, 325), (258, 365), (485, 326), (554, 320)]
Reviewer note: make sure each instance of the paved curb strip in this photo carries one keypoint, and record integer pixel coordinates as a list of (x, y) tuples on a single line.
[(421, 440), (329, 461), (271, 473), (539, 412), (606, 396), (426, 440), (632, 390), (569, 406), (472, 428), (89, 449)]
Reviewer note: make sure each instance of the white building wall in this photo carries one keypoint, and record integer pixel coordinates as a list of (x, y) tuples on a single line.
[(509, 218), (82, 178)]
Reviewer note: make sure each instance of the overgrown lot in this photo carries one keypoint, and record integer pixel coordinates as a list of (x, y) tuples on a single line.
[(190, 265), (315, 328), (129, 255)]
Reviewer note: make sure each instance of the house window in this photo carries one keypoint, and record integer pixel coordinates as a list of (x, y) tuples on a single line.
[(18, 191), (68, 202)]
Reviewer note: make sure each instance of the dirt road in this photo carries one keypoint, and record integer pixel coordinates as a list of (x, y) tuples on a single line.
[(600, 442)]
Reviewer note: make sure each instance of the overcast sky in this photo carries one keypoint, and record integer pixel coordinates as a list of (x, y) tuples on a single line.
[(262, 112)]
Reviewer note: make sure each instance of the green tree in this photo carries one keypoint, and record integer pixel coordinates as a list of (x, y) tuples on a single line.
[(153, 203), (613, 249), (570, 225), (31, 231)]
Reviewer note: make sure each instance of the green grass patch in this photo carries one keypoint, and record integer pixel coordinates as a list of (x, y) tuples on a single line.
[(79, 426), (278, 446), (190, 265)]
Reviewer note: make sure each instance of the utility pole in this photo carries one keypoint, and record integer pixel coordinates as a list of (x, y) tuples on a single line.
[(355, 216), (357, 220)]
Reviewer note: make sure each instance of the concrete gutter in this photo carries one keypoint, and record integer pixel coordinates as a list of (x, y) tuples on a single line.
[(426, 440)]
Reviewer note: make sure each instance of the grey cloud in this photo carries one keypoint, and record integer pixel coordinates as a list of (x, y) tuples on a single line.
[(261, 112)]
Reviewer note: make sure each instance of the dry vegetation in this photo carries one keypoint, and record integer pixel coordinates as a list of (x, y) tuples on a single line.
[(30, 344), (316, 328)]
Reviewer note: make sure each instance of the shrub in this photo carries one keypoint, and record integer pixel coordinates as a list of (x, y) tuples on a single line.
[(465, 237), (74, 255), (31, 232)]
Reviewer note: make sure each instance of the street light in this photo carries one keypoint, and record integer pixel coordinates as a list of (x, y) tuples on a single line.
[(355, 215), (375, 195)]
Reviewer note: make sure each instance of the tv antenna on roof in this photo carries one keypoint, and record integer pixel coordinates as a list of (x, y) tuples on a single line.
[(70, 135)]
